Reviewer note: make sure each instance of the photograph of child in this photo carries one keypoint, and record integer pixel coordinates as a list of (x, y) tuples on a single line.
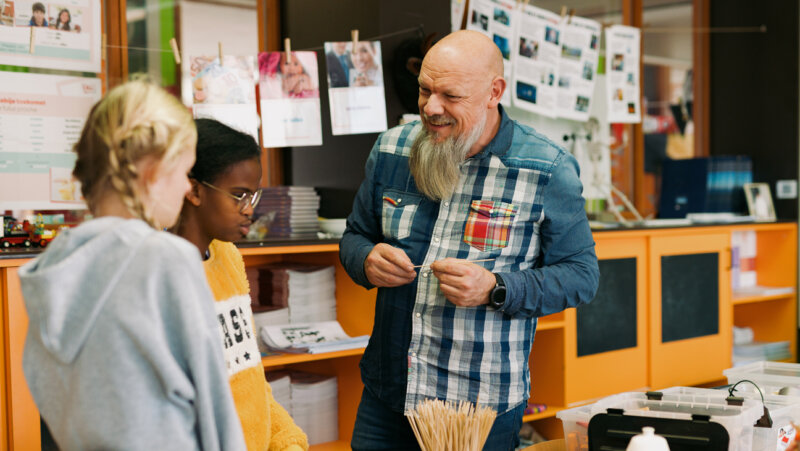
[(38, 15), (288, 78), (63, 18), (618, 63), (528, 48), (551, 35), (354, 68)]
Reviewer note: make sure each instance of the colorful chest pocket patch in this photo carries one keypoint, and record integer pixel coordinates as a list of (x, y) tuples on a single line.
[(489, 224), (397, 214)]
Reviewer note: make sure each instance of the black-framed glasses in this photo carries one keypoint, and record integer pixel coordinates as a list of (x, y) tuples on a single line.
[(243, 200)]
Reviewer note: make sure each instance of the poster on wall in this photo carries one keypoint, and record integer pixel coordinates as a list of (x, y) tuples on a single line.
[(577, 68), (355, 82), (41, 118), (225, 92), (289, 96), (536, 61), (51, 34), (457, 13), (622, 74), (496, 19)]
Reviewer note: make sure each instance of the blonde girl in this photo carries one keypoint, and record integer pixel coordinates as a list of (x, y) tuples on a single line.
[(122, 348)]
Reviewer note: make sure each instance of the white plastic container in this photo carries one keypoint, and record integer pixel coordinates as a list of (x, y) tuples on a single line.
[(647, 441), (737, 420), (784, 410)]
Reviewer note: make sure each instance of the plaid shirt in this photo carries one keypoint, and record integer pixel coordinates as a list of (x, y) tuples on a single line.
[(519, 202)]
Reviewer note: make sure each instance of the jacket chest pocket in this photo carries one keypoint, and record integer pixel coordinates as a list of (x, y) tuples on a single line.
[(397, 213), (489, 224)]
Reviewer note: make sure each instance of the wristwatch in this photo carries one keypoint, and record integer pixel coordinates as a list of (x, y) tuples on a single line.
[(497, 297)]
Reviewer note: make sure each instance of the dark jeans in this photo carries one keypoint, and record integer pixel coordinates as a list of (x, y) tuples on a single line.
[(380, 428)]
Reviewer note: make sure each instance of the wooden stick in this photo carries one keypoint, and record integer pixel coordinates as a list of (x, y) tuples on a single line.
[(471, 261)]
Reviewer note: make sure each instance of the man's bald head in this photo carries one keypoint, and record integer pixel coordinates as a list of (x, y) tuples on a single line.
[(467, 50)]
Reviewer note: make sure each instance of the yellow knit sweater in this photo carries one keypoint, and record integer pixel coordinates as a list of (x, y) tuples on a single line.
[(266, 425)]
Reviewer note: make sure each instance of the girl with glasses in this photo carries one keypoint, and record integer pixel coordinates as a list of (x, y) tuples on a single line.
[(216, 211)]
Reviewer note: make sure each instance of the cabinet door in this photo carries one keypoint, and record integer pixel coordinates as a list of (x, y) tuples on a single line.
[(606, 340), (22, 413), (690, 309)]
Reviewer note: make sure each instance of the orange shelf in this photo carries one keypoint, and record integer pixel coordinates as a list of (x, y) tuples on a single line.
[(288, 359), (550, 412), (547, 325), (759, 298), (289, 249), (339, 445)]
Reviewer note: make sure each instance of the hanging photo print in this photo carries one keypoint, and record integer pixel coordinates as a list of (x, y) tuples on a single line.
[(61, 34), (289, 96), (577, 68), (536, 61), (496, 19), (622, 74), (225, 92), (355, 81)]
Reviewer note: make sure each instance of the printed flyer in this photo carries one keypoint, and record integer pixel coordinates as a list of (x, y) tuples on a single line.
[(41, 118), (622, 74), (536, 61), (59, 34), (289, 96), (577, 68), (226, 92), (355, 87), (496, 19)]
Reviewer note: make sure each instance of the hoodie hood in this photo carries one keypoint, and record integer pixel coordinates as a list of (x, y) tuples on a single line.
[(66, 287)]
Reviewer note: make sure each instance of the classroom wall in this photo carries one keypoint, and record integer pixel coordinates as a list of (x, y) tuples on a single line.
[(754, 90)]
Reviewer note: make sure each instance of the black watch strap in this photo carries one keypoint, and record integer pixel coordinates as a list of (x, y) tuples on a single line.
[(497, 297)]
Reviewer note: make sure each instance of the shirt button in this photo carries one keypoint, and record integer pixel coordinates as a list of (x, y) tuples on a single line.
[(425, 274), (418, 314), (436, 239), (446, 204), (413, 354)]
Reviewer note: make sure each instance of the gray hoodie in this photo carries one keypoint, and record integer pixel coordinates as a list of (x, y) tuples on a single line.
[(123, 351)]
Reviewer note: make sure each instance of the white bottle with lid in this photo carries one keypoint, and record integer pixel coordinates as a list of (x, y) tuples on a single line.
[(648, 441)]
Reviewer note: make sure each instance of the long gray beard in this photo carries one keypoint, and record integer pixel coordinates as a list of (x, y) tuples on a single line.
[(436, 167)]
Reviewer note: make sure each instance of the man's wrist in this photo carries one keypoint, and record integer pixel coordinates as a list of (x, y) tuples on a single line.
[(497, 296)]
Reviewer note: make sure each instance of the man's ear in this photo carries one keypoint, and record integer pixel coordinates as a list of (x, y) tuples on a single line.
[(193, 195), (498, 88)]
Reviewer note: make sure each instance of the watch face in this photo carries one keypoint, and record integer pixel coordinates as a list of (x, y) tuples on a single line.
[(498, 297)]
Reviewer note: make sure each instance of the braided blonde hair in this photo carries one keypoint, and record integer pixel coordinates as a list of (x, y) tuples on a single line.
[(134, 120)]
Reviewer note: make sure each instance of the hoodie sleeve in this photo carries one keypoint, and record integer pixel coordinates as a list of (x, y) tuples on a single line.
[(285, 434), (218, 426)]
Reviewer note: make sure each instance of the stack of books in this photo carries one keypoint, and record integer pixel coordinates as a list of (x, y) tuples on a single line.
[(312, 338), (757, 351), (292, 211), (315, 406), (281, 384), (307, 291)]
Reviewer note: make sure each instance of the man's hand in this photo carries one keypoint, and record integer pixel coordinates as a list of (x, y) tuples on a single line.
[(387, 266), (463, 283)]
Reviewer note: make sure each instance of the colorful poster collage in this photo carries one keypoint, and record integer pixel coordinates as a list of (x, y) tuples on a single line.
[(496, 19)]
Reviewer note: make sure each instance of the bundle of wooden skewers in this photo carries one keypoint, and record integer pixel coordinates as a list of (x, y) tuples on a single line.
[(440, 425)]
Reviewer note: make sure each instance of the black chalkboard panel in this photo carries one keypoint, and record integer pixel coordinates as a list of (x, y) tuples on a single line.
[(608, 323), (689, 296)]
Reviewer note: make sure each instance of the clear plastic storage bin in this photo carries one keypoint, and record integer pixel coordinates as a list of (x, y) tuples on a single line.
[(773, 374), (576, 427), (738, 421), (783, 409)]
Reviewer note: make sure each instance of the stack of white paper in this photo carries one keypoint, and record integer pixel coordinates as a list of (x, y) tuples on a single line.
[(281, 388), (312, 294), (269, 316), (312, 338), (315, 406)]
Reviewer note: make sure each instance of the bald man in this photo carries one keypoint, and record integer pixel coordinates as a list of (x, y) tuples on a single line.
[(493, 213)]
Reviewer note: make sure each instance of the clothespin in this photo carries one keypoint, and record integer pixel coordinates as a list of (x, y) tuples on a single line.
[(176, 53), (287, 47), (563, 11), (104, 49), (571, 13), (33, 40), (219, 44), (525, 2), (354, 37)]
